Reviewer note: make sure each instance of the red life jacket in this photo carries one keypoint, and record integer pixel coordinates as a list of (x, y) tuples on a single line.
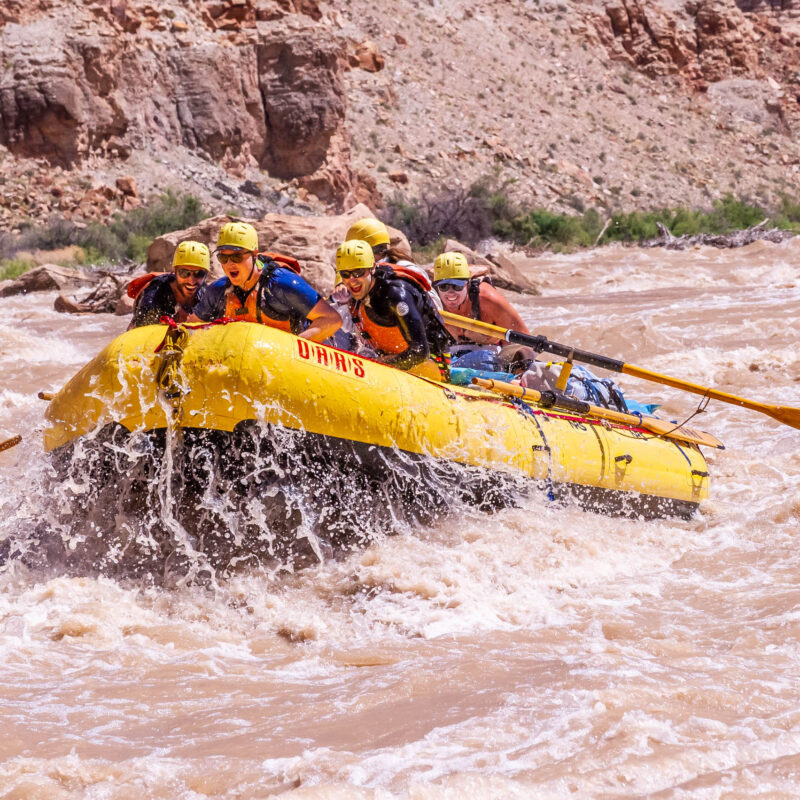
[(138, 285), (404, 272), (285, 261)]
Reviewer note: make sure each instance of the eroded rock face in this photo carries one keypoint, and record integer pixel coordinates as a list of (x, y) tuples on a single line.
[(710, 41), (726, 41), (236, 79), (300, 78), (57, 100)]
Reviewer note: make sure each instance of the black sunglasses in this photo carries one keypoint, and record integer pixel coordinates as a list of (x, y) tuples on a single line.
[(185, 273), (450, 286), (237, 258), (344, 274)]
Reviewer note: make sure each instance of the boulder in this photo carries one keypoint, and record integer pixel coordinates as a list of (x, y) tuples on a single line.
[(366, 57), (127, 185), (311, 240), (46, 278), (503, 271)]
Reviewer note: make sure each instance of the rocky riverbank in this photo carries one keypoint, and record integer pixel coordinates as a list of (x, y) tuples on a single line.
[(304, 106)]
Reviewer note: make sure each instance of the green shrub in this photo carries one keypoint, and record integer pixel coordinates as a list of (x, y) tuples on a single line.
[(14, 267), (125, 237)]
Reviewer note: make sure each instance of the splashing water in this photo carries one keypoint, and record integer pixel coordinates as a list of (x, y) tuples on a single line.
[(534, 651)]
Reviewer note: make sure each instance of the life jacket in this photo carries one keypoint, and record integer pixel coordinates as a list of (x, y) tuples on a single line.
[(285, 261), (389, 339), (385, 339), (138, 285), (415, 274), (250, 310), (412, 270)]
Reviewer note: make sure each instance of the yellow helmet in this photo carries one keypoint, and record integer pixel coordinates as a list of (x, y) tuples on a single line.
[(450, 266), (355, 254), (369, 230), (191, 254), (238, 236)]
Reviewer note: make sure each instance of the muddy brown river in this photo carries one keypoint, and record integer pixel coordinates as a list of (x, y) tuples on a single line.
[(536, 652)]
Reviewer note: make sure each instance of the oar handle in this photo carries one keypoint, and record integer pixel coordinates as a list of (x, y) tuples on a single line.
[(542, 344)]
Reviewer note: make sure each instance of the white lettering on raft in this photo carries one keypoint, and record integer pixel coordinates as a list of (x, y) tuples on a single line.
[(331, 359)]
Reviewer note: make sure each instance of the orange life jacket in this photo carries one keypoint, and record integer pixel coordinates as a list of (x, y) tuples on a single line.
[(388, 339), (384, 339), (250, 311)]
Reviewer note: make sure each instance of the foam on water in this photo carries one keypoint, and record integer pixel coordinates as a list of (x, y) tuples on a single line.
[(539, 651)]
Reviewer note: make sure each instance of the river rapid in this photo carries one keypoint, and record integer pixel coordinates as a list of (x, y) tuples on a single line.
[(538, 651)]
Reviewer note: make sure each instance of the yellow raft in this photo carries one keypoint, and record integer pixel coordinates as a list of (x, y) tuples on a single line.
[(225, 376)]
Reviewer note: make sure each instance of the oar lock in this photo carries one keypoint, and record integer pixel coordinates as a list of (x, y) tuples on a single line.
[(551, 399), (167, 363), (566, 369)]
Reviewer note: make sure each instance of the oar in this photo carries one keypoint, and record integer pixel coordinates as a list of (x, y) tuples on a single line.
[(9, 443), (660, 427), (785, 414)]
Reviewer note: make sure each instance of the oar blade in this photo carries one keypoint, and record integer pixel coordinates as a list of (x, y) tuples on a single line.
[(785, 414), (672, 431)]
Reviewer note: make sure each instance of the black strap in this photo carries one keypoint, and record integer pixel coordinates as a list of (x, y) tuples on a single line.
[(474, 294)]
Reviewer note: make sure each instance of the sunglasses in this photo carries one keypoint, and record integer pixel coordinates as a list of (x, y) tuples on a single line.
[(237, 258), (184, 273), (450, 286), (345, 274)]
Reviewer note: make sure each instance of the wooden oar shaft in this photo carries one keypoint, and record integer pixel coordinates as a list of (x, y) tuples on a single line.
[(788, 415), (9, 443), (659, 427), (540, 344), (694, 388)]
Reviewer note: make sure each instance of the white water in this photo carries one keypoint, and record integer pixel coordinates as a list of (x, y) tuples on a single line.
[(536, 652)]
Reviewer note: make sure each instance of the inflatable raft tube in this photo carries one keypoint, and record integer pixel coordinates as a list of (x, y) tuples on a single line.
[(222, 377)]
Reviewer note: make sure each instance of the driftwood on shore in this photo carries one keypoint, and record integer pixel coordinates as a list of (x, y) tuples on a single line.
[(758, 233), (107, 297)]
